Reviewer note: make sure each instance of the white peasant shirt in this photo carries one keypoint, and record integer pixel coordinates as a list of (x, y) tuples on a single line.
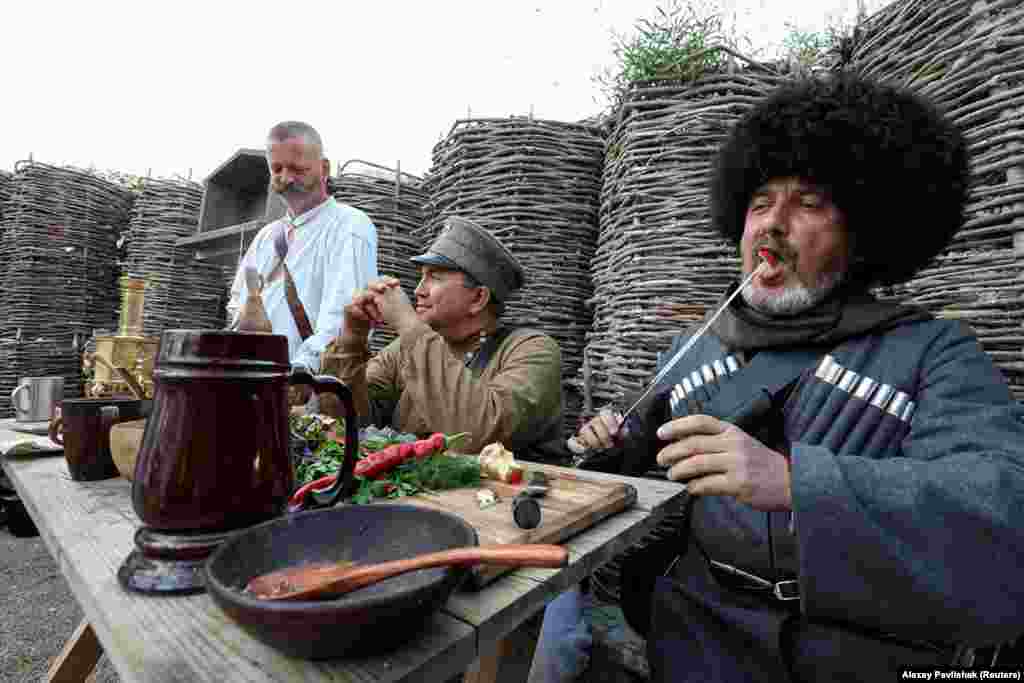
[(332, 254)]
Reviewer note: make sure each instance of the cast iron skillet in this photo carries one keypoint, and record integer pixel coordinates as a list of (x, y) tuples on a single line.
[(370, 620)]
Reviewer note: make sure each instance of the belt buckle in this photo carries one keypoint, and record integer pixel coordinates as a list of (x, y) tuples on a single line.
[(786, 590)]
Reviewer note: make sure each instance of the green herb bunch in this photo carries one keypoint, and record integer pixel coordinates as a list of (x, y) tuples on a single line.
[(318, 444), (434, 473)]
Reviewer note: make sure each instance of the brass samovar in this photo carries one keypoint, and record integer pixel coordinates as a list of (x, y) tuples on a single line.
[(127, 355)]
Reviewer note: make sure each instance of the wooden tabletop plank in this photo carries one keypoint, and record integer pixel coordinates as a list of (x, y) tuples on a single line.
[(499, 608), (89, 528)]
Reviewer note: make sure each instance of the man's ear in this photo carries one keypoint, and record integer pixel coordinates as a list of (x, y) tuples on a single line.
[(326, 167), (480, 300)]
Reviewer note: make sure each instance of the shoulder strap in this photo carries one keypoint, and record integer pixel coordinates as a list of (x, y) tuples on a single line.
[(753, 390), (291, 294), (488, 349)]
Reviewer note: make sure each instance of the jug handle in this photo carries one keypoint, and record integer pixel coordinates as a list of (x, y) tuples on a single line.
[(56, 429), (345, 484)]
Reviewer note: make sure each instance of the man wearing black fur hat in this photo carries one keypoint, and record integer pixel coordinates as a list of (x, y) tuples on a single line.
[(856, 467)]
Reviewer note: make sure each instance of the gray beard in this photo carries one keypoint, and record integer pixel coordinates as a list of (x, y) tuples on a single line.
[(792, 300)]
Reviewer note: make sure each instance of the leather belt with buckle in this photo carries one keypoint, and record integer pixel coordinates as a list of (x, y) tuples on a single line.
[(788, 590), (780, 590)]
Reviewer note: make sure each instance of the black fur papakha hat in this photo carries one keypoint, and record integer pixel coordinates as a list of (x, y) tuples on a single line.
[(890, 161)]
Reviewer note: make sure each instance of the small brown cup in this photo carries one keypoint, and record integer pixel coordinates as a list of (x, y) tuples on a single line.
[(83, 425)]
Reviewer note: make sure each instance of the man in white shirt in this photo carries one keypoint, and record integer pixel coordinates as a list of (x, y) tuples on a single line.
[(330, 248)]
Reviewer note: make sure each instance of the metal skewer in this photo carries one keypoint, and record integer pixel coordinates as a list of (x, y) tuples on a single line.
[(577, 448)]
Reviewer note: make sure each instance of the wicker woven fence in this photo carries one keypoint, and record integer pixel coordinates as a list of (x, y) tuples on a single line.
[(395, 203), (535, 184), (5, 184), (5, 181), (181, 293), (968, 55), (58, 241), (659, 266)]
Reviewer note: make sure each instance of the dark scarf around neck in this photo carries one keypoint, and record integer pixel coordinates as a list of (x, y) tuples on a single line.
[(839, 317)]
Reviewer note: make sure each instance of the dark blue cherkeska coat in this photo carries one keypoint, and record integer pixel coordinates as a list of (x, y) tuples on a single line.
[(902, 535)]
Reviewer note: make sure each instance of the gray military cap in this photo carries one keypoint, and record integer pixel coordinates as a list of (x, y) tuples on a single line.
[(464, 245)]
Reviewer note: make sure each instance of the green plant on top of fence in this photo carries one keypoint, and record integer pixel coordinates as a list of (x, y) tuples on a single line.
[(675, 45), (804, 49), (682, 42), (809, 51)]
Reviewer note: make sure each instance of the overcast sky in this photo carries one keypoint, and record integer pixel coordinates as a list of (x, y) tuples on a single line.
[(174, 87)]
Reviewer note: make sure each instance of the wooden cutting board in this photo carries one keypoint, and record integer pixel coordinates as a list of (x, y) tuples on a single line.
[(573, 503)]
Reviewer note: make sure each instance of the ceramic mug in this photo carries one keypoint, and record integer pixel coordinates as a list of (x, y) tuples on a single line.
[(82, 427)]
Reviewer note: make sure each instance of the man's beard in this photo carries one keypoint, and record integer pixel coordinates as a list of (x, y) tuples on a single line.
[(795, 299)]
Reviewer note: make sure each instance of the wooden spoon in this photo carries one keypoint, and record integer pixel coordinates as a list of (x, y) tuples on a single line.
[(331, 579)]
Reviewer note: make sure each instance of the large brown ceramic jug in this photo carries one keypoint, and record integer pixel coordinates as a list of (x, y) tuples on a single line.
[(215, 453)]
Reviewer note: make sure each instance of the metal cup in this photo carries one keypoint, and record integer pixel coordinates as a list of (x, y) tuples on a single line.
[(35, 398)]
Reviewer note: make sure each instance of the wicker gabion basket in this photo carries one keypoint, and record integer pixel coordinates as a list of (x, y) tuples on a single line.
[(59, 235), (968, 57), (659, 265), (181, 292)]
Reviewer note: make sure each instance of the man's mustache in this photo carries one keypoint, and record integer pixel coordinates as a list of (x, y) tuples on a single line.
[(293, 187)]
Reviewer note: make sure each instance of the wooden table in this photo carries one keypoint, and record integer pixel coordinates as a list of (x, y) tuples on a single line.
[(88, 527)]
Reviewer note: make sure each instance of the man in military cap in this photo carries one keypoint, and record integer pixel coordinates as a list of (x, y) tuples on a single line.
[(454, 367), (855, 466)]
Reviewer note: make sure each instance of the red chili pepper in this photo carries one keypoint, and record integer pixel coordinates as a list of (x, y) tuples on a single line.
[(323, 482), (424, 448), (443, 442), (768, 256), (378, 462), (385, 459), (437, 441)]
